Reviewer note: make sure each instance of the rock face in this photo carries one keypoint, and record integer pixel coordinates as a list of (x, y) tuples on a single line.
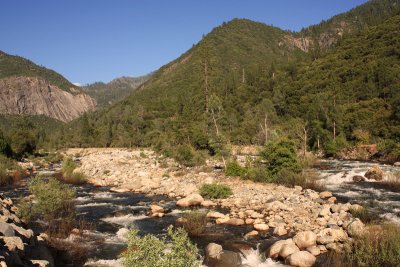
[(20, 246), (35, 96), (374, 173)]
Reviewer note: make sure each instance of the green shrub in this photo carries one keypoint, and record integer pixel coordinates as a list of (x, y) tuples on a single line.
[(289, 178), (52, 199), (257, 174), (186, 155), (280, 155), (68, 166), (215, 191), (234, 169), (194, 222), (176, 250)]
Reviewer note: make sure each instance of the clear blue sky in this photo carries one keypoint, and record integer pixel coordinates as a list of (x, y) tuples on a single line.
[(98, 40)]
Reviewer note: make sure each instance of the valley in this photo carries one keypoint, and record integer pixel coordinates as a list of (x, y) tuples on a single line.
[(256, 146)]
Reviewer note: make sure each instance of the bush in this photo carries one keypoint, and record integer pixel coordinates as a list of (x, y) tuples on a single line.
[(54, 157), (215, 191), (281, 155), (176, 250), (52, 200), (69, 176), (68, 166), (234, 169), (257, 174), (194, 222), (186, 155)]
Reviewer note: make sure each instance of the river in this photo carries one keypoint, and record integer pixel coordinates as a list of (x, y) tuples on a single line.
[(111, 214)]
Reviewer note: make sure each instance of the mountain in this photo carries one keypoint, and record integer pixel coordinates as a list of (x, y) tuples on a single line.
[(107, 94), (247, 82), (320, 37), (29, 89)]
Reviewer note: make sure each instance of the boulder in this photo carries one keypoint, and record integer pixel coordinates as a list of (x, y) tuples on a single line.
[(215, 256), (6, 229), (331, 235), (314, 250), (251, 234), (235, 222), (208, 203), (325, 194), (397, 164), (374, 173), (301, 259), (305, 239), (358, 178), (215, 215), (273, 251), (288, 249), (261, 227), (190, 200), (355, 228), (14, 243), (156, 209), (280, 231)]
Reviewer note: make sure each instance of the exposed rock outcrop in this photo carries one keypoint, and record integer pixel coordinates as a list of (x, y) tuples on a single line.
[(36, 96)]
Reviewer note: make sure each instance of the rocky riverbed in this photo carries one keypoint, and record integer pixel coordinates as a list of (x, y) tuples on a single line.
[(315, 221)]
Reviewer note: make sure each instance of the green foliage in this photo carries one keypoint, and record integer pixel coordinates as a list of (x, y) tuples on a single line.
[(194, 222), (176, 250), (52, 199), (215, 191), (186, 155), (234, 169), (68, 166), (280, 155), (5, 148)]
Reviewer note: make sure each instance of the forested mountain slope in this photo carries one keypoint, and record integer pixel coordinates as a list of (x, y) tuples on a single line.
[(110, 93)]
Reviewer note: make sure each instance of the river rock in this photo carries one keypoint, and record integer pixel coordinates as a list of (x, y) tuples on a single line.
[(13, 243), (251, 234), (325, 194), (215, 215), (331, 235), (156, 209), (273, 251), (190, 200), (355, 228), (288, 249), (215, 256), (358, 178), (235, 222), (261, 227), (280, 231), (374, 173), (314, 250), (6, 229), (305, 239), (397, 164), (301, 259), (208, 203)]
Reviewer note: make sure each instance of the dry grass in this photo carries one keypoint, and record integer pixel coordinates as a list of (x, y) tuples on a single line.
[(195, 223), (392, 183)]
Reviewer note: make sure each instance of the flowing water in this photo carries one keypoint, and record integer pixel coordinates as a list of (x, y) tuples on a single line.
[(112, 214), (337, 176)]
